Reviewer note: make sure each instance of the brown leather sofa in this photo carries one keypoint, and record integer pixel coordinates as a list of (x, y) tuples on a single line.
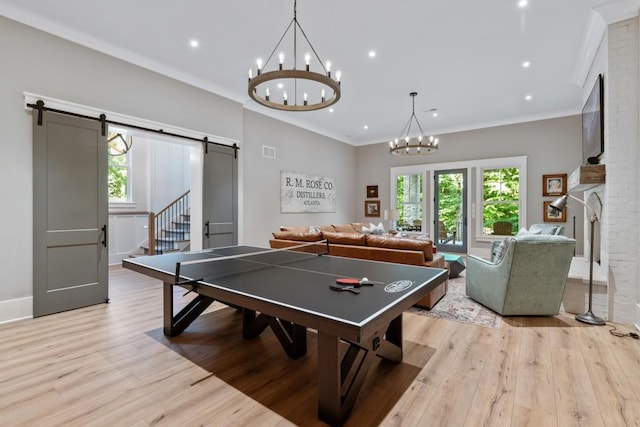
[(347, 240)]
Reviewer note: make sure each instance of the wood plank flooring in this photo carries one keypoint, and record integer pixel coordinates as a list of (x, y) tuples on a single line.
[(110, 365)]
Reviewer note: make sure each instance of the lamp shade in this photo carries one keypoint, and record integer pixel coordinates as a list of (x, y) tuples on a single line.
[(559, 203)]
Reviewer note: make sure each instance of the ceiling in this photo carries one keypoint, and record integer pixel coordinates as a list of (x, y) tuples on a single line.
[(463, 57)]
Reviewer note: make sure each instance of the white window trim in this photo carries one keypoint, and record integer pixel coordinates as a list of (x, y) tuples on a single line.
[(506, 162), (130, 199), (474, 210)]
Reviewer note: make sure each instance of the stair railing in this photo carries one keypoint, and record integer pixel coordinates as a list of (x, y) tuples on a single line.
[(162, 219)]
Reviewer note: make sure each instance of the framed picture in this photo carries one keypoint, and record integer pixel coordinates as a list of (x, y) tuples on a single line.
[(372, 208), (554, 185), (552, 215), (372, 191)]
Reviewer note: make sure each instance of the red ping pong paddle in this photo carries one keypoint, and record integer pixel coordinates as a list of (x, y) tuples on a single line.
[(356, 283)]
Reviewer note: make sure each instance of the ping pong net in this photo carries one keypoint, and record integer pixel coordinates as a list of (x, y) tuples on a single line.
[(215, 265)]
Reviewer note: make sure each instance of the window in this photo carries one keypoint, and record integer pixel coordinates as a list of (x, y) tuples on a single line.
[(500, 201), (409, 202), (119, 167)]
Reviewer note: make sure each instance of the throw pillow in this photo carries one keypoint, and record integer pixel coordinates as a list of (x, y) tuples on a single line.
[(502, 250), (373, 229), (524, 232), (542, 229), (377, 229)]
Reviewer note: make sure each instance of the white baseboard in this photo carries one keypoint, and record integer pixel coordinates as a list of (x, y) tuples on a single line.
[(116, 259), (16, 309)]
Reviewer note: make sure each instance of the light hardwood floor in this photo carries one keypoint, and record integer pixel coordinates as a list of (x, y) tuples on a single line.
[(110, 365)]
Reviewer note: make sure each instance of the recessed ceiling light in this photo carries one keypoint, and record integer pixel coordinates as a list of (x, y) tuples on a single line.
[(526, 64), (331, 110), (280, 85), (194, 43), (366, 127), (372, 54), (434, 114), (528, 97), (523, 3)]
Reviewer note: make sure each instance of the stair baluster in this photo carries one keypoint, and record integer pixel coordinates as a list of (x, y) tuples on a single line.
[(169, 225)]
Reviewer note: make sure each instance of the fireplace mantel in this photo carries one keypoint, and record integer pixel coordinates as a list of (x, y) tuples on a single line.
[(586, 177)]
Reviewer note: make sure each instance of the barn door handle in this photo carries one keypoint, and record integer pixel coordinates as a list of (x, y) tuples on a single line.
[(104, 235), (206, 233)]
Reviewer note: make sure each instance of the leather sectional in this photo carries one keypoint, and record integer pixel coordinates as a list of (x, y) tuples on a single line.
[(347, 240)]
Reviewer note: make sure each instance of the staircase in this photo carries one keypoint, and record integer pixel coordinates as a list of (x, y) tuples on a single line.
[(169, 230)]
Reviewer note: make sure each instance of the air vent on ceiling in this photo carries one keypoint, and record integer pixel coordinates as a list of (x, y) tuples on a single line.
[(269, 152)]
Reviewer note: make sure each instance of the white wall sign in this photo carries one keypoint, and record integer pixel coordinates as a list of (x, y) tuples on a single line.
[(300, 192)]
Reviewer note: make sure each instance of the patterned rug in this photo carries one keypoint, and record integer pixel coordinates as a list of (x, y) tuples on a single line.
[(455, 305)]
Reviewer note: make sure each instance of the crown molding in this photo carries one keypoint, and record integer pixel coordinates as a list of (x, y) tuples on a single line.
[(596, 29), (617, 10)]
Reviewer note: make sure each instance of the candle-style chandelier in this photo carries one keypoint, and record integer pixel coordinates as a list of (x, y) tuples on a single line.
[(308, 90), (406, 145)]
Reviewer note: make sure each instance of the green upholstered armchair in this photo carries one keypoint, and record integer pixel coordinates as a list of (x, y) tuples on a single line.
[(543, 229), (529, 278)]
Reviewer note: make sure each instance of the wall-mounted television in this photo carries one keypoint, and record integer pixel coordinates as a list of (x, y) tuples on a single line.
[(593, 124)]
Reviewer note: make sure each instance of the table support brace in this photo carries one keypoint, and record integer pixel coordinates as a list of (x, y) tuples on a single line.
[(175, 325), (292, 337)]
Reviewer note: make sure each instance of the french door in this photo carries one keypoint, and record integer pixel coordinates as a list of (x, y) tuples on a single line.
[(450, 210)]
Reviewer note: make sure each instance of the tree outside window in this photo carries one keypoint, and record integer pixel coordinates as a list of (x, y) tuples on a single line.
[(501, 200), (119, 168), (409, 202)]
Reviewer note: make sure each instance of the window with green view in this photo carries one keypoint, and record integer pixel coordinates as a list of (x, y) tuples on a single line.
[(500, 201), (409, 201), (119, 168)]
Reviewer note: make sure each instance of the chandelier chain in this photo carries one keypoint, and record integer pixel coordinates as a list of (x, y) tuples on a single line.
[(279, 41)]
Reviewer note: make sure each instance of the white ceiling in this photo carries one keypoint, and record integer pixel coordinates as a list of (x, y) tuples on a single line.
[(463, 57)]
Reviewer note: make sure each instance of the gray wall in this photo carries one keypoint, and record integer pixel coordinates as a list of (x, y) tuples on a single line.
[(551, 146), (297, 150), (36, 62)]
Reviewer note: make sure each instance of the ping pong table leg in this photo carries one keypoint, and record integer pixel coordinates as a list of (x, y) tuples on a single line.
[(340, 380), (175, 325), (391, 346)]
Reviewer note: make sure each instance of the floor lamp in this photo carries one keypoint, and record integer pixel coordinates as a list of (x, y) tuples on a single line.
[(558, 205), (574, 226), (391, 214)]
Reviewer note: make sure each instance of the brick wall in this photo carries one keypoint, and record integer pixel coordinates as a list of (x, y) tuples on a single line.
[(620, 222)]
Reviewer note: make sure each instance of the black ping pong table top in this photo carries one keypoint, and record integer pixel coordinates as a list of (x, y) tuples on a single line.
[(297, 280)]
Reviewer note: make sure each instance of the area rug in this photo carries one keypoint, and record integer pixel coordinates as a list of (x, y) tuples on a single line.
[(456, 305)]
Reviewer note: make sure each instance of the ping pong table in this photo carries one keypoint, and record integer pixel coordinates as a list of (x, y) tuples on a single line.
[(289, 291)]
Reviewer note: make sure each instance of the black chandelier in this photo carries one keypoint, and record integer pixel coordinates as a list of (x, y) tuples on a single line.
[(406, 145), (317, 91)]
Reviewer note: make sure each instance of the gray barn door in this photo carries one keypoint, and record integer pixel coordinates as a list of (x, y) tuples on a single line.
[(70, 208), (220, 197)]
